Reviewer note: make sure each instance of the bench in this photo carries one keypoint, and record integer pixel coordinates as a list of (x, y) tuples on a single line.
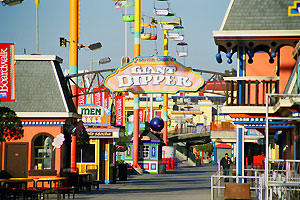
[(237, 191)]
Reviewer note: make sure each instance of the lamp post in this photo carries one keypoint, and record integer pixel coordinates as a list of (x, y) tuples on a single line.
[(100, 61), (73, 63)]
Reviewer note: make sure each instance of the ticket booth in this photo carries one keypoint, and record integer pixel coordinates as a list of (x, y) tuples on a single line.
[(99, 153)]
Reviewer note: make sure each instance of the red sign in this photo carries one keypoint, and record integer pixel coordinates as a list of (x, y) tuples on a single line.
[(119, 109), (7, 72), (149, 112), (97, 97), (141, 115), (82, 98), (106, 102)]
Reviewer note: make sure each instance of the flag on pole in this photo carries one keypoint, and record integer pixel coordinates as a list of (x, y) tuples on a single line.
[(37, 3)]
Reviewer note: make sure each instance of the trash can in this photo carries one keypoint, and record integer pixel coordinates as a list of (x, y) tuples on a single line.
[(162, 168), (122, 172)]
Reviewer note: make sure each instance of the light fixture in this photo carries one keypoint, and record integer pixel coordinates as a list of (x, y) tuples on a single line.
[(104, 60), (95, 46), (63, 43)]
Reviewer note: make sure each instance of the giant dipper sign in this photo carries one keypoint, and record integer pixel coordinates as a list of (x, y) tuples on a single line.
[(154, 75)]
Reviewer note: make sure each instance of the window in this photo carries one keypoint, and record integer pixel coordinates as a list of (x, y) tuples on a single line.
[(86, 153), (144, 151), (42, 152)]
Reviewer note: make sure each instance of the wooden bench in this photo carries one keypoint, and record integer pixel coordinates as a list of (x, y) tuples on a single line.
[(237, 191)]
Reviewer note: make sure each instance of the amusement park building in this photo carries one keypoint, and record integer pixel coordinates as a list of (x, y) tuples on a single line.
[(45, 107), (263, 37)]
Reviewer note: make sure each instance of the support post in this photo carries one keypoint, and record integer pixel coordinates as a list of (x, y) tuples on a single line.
[(240, 153), (165, 102), (137, 52), (73, 65)]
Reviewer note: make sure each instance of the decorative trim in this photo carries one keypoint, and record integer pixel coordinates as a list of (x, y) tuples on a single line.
[(60, 87), (48, 114), (39, 58), (256, 33), (226, 15), (43, 123), (259, 122)]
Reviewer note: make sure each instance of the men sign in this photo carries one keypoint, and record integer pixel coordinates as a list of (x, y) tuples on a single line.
[(154, 75)]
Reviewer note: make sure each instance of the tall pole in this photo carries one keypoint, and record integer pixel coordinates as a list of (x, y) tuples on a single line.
[(165, 102), (37, 28), (125, 34), (73, 65), (136, 101)]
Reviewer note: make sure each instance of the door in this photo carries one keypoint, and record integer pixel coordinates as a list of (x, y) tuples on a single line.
[(16, 159)]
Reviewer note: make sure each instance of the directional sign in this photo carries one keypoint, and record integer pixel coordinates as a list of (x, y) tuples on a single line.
[(154, 75)]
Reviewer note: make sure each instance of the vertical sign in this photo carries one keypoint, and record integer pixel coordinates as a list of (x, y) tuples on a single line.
[(119, 108), (106, 101), (82, 98), (141, 115), (7, 72), (97, 97)]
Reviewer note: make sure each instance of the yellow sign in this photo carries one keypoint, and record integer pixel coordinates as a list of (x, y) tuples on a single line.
[(154, 75)]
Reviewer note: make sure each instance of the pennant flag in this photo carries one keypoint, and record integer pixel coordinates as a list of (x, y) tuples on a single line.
[(37, 3)]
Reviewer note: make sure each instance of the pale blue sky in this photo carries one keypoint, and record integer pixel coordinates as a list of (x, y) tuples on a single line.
[(100, 21)]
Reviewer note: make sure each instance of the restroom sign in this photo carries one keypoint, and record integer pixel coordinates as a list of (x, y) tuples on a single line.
[(154, 75)]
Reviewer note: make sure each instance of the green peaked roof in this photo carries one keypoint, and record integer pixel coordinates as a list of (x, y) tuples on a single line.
[(40, 86), (260, 15)]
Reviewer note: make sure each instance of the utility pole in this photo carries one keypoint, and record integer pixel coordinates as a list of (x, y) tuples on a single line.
[(136, 101), (73, 66)]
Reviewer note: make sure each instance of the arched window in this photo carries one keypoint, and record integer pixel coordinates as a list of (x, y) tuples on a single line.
[(42, 152)]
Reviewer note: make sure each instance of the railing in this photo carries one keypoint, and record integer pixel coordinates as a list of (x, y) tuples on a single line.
[(250, 91), (218, 185), (186, 129), (284, 179)]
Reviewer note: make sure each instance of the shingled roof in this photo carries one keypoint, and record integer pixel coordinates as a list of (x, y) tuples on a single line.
[(260, 15), (258, 25), (40, 86)]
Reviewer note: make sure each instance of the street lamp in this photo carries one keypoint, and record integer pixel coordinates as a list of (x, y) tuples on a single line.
[(102, 61), (63, 43)]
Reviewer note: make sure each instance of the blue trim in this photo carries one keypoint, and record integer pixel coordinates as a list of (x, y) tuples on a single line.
[(241, 62), (241, 71), (240, 153), (43, 123), (215, 152)]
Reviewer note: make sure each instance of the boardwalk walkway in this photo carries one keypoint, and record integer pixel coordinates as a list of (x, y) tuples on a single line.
[(185, 183)]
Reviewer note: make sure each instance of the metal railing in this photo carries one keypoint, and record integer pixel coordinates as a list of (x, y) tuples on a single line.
[(284, 179), (218, 185), (249, 91)]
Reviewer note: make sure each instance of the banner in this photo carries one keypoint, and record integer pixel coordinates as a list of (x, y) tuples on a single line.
[(97, 97), (141, 115), (82, 98), (119, 109), (7, 72), (106, 101)]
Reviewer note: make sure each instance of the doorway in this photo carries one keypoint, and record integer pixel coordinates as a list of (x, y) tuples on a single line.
[(16, 159)]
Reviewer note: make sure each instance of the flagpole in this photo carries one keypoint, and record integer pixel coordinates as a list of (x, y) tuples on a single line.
[(37, 29)]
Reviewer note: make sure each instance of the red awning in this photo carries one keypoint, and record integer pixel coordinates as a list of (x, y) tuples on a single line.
[(223, 145)]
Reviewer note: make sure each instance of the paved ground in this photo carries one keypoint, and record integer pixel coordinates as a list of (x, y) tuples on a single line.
[(185, 183)]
